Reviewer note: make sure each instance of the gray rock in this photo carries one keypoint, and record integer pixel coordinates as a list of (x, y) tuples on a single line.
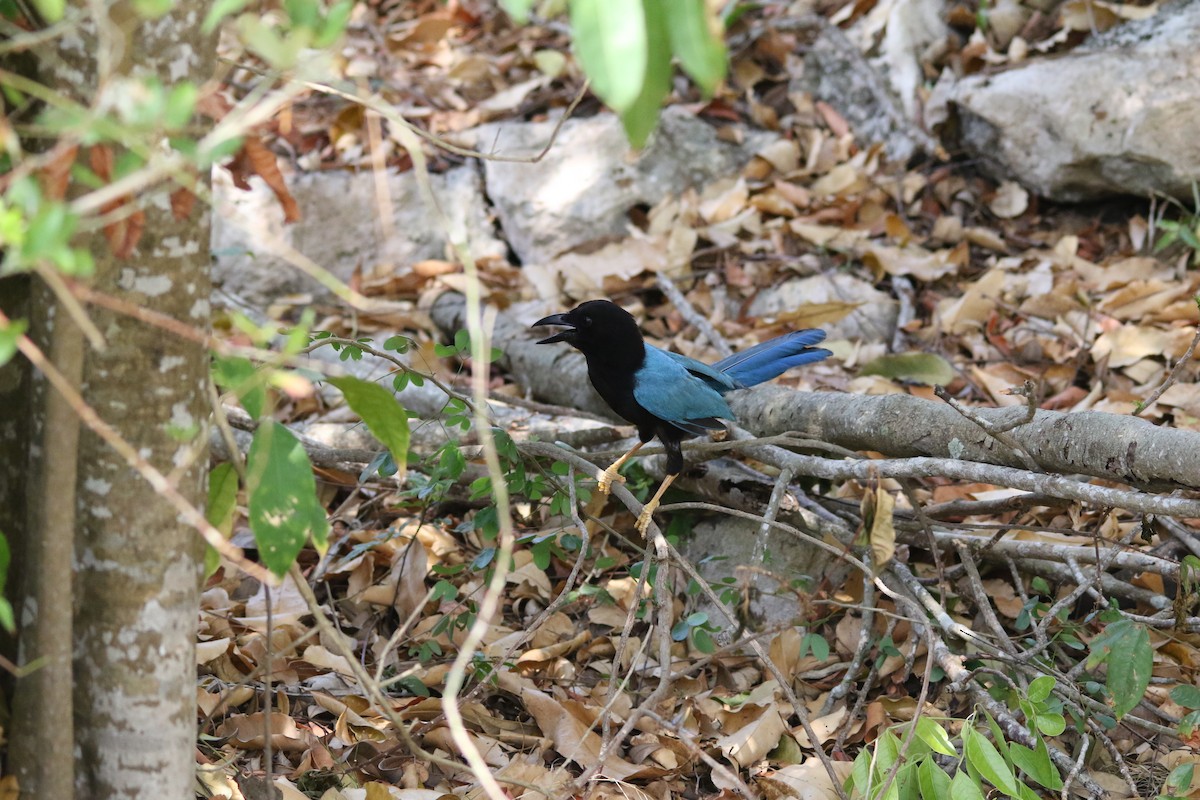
[(720, 545), (583, 189), (341, 228), (1116, 116), (873, 321)]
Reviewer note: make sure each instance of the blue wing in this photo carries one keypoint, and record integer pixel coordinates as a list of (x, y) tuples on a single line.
[(666, 387), (764, 361), (713, 377)]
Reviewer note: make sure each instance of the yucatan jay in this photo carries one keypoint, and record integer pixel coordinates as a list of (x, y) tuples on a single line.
[(665, 394)]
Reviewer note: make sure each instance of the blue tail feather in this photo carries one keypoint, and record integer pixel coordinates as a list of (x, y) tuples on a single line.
[(767, 360)]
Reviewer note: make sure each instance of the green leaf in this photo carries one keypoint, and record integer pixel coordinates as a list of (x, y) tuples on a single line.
[(1036, 764), (180, 105), (517, 9), (1185, 695), (1040, 688), (384, 417), (934, 782), (927, 368), (220, 10), (284, 511), (240, 376), (50, 10), (11, 332), (610, 43), (935, 736), (695, 34), (987, 760), (963, 788), (152, 9), (222, 505), (703, 641), (334, 25), (641, 118), (1180, 779), (1051, 723), (816, 644), (1124, 646)]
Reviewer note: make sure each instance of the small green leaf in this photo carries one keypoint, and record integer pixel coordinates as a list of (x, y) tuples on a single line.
[(11, 332), (220, 10), (222, 505), (963, 788), (1180, 779), (1040, 688), (816, 644), (50, 10), (987, 760), (703, 641), (641, 117), (927, 368), (1036, 764), (284, 511), (240, 376), (1124, 646), (611, 45), (935, 736), (1185, 695), (934, 782), (383, 416), (334, 25), (181, 104), (152, 9), (517, 9), (1051, 723), (695, 34)]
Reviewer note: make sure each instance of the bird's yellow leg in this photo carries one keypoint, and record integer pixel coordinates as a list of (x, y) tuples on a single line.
[(643, 520), (609, 475)]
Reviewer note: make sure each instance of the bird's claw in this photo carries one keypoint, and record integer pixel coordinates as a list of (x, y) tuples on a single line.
[(606, 479), (643, 520)]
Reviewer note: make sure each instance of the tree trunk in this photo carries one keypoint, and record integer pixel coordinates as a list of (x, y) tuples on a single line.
[(130, 708)]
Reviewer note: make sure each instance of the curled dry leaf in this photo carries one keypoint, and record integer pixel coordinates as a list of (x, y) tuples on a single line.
[(56, 175), (255, 159), (1010, 201)]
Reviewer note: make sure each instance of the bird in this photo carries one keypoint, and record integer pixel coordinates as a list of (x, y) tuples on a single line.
[(666, 394)]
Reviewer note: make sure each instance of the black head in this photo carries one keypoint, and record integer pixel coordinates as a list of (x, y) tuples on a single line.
[(592, 326)]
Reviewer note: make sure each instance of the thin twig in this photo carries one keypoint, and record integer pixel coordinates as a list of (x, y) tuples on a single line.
[(690, 315)]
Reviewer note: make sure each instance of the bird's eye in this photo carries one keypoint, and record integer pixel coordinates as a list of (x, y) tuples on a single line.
[(587, 322)]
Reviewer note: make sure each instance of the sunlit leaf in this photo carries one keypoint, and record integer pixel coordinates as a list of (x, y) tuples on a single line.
[(610, 43), (284, 510), (222, 505), (696, 41), (641, 118), (381, 413)]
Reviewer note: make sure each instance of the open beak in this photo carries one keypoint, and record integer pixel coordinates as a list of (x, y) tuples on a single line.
[(561, 336)]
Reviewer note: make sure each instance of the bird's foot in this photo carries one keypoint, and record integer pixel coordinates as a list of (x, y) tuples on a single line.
[(643, 520), (606, 479)]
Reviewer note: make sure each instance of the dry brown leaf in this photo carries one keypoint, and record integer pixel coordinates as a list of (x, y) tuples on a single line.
[(824, 727), (911, 260), (1010, 201), (56, 175), (256, 159), (971, 310), (248, 732), (573, 739), (755, 739), (183, 200)]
